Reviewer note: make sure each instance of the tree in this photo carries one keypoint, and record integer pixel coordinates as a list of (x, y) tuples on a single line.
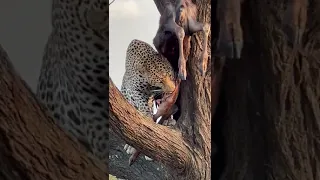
[(32, 146), (186, 151)]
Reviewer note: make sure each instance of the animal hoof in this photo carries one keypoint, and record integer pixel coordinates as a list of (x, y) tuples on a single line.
[(231, 49), (294, 35), (238, 45), (182, 76)]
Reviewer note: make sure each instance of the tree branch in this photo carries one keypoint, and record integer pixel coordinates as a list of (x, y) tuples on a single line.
[(31, 145), (156, 141)]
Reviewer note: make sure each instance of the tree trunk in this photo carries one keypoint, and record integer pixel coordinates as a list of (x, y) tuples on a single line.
[(269, 107), (185, 151), (32, 147)]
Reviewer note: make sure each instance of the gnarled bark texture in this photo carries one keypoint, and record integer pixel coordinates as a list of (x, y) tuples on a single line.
[(32, 147), (185, 152), (270, 101)]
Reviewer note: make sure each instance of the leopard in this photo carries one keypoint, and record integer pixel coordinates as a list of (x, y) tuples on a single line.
[(73, 79), (146, 74)]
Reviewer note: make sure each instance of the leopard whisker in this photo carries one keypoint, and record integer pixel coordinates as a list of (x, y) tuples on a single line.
[(157, 92)]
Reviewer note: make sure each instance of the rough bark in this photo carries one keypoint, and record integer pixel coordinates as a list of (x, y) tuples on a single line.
[(185, 151), (31, 146), (270, 112)]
